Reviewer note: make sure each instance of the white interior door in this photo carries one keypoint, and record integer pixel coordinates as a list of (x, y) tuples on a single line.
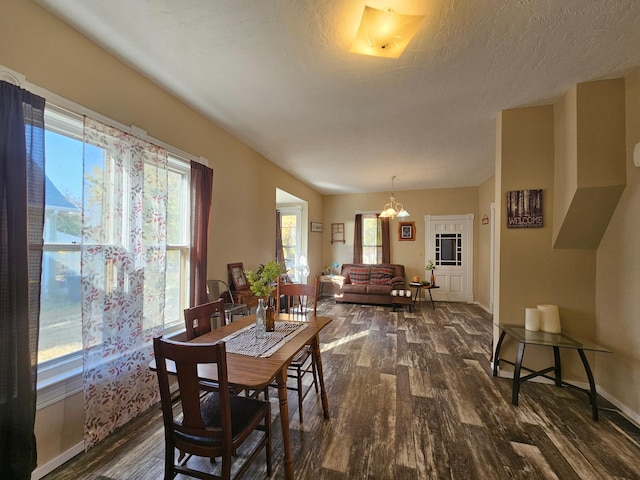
[(449, 242)]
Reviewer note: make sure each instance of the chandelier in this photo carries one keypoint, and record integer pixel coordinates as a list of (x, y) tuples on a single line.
[(393, 209)]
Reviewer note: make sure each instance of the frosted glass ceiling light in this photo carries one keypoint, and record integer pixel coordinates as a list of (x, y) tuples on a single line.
[(384, 33), (393, 209)]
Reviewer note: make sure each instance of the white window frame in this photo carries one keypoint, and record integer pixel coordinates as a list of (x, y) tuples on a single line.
[(62, 377), (296, 210), (378, 245)]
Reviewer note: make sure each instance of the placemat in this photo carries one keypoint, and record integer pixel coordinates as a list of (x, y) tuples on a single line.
[(244, 341)]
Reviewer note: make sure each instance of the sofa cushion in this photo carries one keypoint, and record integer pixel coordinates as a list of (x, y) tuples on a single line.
[(381, 274), (352, 288), (379, 289), (360, 274)]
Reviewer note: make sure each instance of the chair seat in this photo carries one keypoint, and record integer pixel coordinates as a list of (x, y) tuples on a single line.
[(244, 412)]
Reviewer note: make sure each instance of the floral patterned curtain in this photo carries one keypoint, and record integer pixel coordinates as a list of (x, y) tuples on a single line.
[(123, 275)]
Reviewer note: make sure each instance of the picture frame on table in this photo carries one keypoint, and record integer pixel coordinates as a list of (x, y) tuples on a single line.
[(406, 231), (238, 278), (315, 227)]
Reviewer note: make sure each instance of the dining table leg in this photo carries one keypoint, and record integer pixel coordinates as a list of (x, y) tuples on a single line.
[(317, 358), (281, 379)]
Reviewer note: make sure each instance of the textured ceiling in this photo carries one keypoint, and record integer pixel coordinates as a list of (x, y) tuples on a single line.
[(278, 75)]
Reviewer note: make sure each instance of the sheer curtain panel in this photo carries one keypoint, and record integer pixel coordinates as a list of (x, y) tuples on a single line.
[(123, 259), (201, 190), (21, 224)]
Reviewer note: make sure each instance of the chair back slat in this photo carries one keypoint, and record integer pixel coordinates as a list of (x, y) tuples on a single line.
[(299, 298), (199, 320), (186, 357)]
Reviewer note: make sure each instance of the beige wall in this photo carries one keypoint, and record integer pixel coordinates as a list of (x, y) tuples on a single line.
[(55, 57), (618, 277), (342, 209), (596, 290), (531, 271)]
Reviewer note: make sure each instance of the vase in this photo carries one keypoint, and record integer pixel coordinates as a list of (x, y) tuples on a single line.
[(433, 278), (532, 319), (270, 324), (549, 318), (261, 317)]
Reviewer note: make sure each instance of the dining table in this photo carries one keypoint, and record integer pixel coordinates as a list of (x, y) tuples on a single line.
[(255, 370)]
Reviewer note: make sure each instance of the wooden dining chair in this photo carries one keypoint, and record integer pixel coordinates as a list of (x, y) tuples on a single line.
[(300, 300), (198, 320), (213, 425)]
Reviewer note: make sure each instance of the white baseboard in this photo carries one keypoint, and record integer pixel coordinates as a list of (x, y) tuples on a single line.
[(485, 308), (51, 465), (632, 416)]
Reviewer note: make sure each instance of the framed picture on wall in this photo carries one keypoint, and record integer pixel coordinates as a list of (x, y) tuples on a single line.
[(238, 278), (406, 231), (316, 227), (524, 209)]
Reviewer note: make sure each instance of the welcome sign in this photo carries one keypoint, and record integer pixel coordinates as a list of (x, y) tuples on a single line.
[(524, 209)]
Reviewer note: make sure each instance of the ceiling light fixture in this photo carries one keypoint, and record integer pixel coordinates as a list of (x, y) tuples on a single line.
[(384, 33), (393, 209)]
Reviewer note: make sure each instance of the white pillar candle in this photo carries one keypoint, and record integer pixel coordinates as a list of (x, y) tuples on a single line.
[(532, 319), (549, 318)]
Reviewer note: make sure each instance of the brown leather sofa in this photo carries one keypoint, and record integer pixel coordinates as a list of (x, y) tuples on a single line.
[(372, 284)]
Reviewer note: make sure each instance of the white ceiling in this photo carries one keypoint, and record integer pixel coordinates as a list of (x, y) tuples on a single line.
[(278, 75)]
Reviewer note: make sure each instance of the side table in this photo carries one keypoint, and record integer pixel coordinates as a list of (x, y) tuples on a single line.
[(419, 288), (325, 280), (556, 341)]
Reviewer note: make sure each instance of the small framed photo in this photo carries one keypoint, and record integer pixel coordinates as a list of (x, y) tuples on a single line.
[(407, 231), (316, 227), (238, 278)]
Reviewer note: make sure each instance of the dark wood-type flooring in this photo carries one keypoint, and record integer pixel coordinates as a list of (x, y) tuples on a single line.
[(411, 396)]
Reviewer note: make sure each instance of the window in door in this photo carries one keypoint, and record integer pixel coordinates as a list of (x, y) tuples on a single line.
[(449, 249)]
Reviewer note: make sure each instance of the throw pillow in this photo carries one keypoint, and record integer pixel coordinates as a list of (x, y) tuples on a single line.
[(381, 274), (360, 274)]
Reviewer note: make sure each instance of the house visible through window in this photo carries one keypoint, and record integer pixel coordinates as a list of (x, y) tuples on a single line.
[(371, 239), (60, 314)]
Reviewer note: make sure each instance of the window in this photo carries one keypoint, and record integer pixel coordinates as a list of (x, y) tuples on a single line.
[(371, 239), (60, 317), (449, 249), (290, 222)]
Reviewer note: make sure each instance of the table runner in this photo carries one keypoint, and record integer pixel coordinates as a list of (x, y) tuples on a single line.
[(244, 341)]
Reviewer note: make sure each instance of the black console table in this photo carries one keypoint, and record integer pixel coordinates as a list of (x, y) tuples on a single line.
[(556, 341)]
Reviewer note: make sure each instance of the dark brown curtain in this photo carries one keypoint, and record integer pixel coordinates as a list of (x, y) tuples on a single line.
[(279, 247), (201, 190), (21, 225), (357, 239), (386, 240)]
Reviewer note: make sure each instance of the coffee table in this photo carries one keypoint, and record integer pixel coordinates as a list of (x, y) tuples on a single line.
[(398, 301)]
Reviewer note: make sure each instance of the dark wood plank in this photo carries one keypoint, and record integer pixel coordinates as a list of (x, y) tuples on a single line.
[(411, 396)]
